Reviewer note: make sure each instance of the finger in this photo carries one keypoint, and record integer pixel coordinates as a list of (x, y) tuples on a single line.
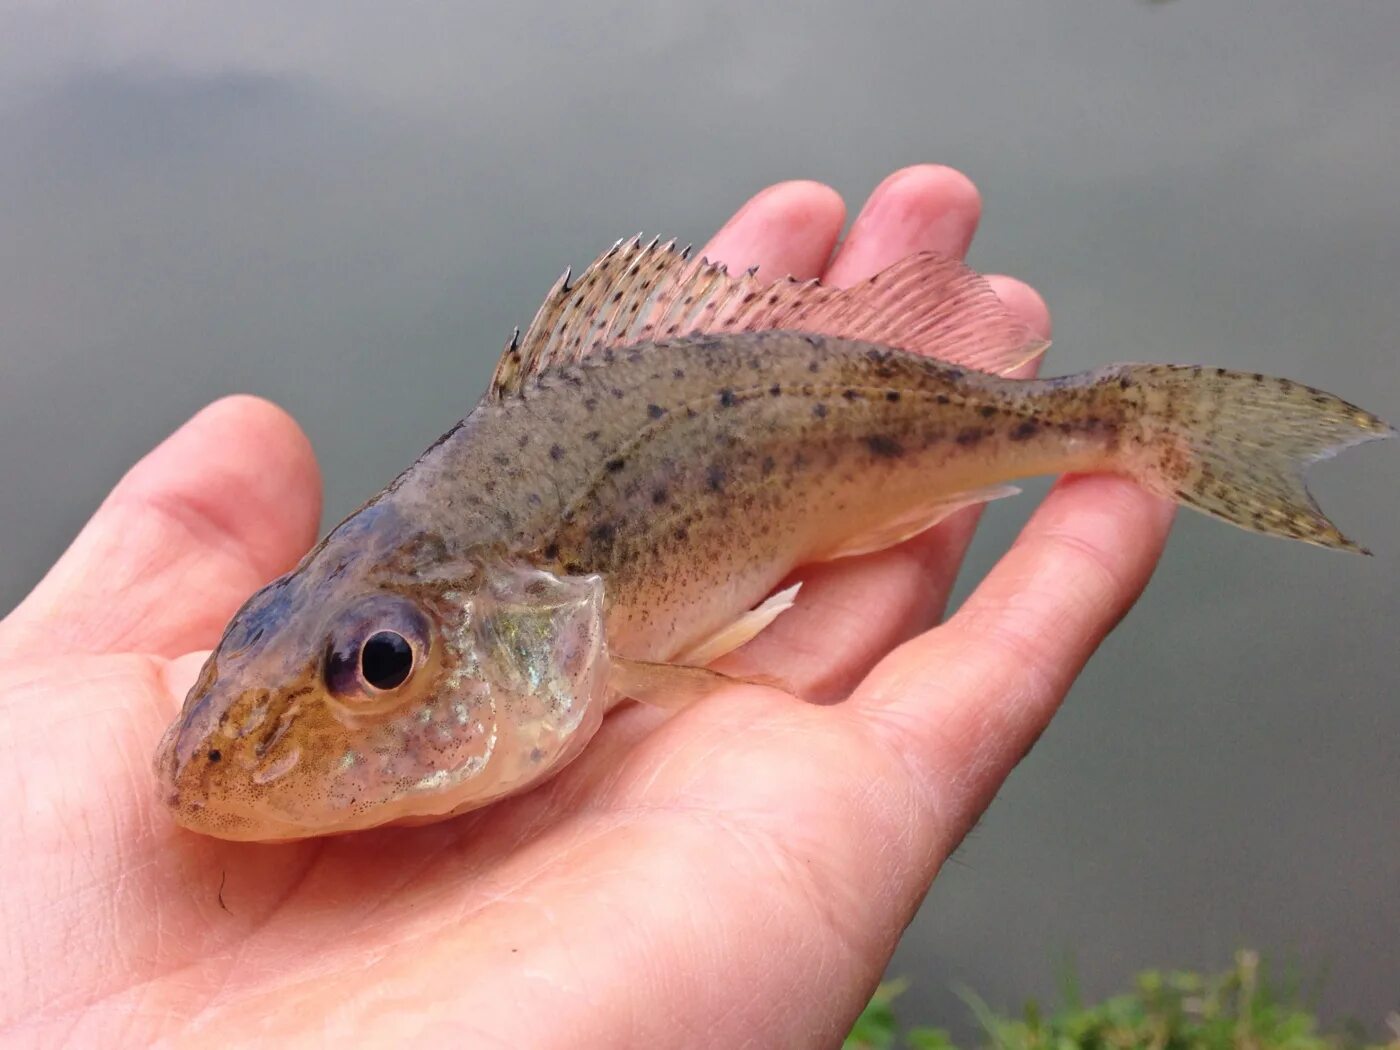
[(924, 208), (852, 612), (1025, 302), (940, 551), (965, 701), (788, 229), (224, 504)]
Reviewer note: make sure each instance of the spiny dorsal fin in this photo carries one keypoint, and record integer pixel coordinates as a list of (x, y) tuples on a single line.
[(926, 304)]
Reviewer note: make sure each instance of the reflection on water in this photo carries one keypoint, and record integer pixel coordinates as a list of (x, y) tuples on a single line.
[(350, 221)]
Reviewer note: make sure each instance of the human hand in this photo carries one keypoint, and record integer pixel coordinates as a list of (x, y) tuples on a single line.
[(737, 873)]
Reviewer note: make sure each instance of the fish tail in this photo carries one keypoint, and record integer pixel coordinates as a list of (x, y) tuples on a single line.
[(1235, 445)]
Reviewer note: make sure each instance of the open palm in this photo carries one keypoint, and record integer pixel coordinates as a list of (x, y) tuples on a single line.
[(737, 873)]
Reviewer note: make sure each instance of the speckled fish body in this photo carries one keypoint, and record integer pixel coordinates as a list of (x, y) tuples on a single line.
[(694, 476), (613, 508)]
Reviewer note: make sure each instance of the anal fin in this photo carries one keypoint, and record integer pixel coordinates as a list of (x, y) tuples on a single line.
[(889, 533)]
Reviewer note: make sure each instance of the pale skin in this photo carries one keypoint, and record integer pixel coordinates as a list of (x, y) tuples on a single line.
[(736, 874)]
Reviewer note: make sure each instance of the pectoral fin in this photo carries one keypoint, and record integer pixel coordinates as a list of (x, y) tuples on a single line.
[(741, 630), (673, 686), (889, 533)]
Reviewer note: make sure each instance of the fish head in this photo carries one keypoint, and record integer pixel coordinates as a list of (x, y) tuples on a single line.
[(349, 694)]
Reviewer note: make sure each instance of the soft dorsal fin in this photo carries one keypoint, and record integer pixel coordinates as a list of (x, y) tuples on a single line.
[(926, 304)]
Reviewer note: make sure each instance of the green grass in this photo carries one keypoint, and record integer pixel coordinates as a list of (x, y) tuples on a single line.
[(1239, 1009)]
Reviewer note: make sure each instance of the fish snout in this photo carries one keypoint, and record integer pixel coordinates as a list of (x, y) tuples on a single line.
[(206, 744)]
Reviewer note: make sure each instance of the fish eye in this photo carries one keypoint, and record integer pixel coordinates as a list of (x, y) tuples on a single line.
[(374, 648), (386, 660)]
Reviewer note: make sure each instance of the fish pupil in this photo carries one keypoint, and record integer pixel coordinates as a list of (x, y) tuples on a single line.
[(386, 660)]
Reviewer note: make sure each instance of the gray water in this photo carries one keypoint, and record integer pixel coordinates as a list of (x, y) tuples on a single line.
[(346, 206)]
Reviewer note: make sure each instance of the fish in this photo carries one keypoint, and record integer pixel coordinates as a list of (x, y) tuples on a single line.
[(664, 445)]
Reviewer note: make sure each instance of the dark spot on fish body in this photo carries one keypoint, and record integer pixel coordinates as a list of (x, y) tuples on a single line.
[(603, 534), (769, 464), (1025, 430), (551, 551), (819, 410), (941, 399), (615, 465), (727, 398), (715, 477), (776, 390), (556, 453), (655, 411), (850, 394), (592, 436), (987, 411), (501, 459), (215, 755), (882, 446), (659, 497), (970, 436), (892, 396), (590, 404), (678, 373), (813, 366), (522, 442), (618, 393)]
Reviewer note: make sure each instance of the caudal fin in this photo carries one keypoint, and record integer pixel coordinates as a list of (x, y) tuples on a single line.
[(1235, 445)]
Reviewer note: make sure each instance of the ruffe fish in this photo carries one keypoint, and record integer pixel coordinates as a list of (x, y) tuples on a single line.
[(658, 451)]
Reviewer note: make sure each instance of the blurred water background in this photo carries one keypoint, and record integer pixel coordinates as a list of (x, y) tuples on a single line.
[(345, 206)]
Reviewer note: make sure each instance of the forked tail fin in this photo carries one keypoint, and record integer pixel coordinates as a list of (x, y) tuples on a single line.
[(1235, 445)]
